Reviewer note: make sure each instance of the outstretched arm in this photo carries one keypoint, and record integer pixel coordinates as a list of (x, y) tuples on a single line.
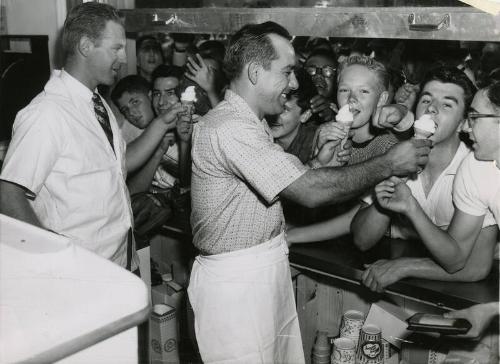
[(329, 185), (325, 230), (369, 226), (143, 147), (383, 273)]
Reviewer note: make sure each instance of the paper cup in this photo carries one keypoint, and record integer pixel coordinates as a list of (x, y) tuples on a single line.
[(352, 321), (370, 345), (344, 351)]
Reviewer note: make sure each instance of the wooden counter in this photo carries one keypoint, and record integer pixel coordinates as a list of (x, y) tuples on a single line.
[(342, 261)]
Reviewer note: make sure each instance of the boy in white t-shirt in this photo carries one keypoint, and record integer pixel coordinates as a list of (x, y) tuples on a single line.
[(476, 192)]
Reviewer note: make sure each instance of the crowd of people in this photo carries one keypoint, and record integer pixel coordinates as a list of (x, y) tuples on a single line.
[(263, 162)]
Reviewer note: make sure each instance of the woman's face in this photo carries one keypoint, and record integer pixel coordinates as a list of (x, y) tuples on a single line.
[(288, 121)]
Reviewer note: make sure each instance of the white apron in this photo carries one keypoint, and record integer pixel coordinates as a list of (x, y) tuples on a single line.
[(244, 306)]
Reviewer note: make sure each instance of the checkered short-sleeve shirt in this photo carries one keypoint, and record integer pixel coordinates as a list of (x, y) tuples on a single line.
[(238, 173)]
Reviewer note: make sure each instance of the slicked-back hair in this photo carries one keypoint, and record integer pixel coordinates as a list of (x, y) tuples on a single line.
[(252, 44), (164, 71), (131, 83), (371, 64), (455, 76), (87, 19)]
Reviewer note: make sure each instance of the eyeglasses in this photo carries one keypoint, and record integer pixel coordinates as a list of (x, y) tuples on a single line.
[(475, 115), (326, 71)]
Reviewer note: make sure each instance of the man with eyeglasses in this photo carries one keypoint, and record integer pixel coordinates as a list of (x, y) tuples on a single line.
[(321, 65), (466, 248)]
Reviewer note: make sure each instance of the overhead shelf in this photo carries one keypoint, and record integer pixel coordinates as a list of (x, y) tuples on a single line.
[(445, 23)]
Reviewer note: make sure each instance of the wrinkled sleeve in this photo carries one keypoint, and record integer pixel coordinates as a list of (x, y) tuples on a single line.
[(467, 195), (33, 150), (252, 157)]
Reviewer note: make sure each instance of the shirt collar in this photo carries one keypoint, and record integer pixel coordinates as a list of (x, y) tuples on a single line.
[(461, 153), (76, 87), (239, 103), (243, 108)]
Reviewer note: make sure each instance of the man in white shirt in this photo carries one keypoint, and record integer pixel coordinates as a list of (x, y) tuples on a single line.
[(66, 166)]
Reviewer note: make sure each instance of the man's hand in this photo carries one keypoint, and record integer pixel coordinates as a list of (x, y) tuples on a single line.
[(167, 141), (344, 155), (321, 106), (407, 95), (388, 116), (409, 156), (329, 132), (479, 316), (394, 195), (184, 128), (201, 73), (169, 117), (381, 274), (326, 152)]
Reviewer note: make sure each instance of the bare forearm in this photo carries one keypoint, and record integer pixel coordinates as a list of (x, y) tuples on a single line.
[(369, 226), (141, 180), (13, 203), (139, 150), (329, 185), (439, 243), (329, 229)]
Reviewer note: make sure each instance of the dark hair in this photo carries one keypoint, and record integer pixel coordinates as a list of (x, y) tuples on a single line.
[(163, 71), (323, 53), (493, 93), (131, 83), (155, 44), (252, 44), (455, 76), (212, 49), (87, 19), (369, 63)]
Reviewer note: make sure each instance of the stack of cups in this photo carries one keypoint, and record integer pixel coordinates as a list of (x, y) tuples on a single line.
[(321, 350), (352, 321), (344, 351), (370, 346)]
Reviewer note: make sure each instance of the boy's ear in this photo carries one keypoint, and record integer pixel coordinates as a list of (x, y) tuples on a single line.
[(253, 72), (85, 45), (460, 126), (382, 99), (150, 94)]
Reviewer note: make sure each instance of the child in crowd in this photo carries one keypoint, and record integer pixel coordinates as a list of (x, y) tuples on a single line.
[(321, 65), (362, 83), (149, 55)]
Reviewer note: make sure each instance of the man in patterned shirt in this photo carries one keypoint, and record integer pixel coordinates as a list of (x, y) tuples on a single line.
[(240, 286)]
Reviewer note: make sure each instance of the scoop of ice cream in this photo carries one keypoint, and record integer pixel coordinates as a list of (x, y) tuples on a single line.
[(189, 94), (425, 123), (344, 115)]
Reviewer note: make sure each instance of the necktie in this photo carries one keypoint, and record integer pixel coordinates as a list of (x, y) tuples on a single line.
[(103, 118)]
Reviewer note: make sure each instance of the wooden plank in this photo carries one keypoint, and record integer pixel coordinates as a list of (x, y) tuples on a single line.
[(467, 24)]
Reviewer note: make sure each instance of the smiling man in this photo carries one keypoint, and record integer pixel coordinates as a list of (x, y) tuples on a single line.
[(240, 286), (66, 166)]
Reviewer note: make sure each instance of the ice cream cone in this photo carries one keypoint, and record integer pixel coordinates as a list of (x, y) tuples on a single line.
[(422, 134), (188, 99), (345, 118)]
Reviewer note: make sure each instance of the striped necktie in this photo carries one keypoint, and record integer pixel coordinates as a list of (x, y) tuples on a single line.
[(103, 118)]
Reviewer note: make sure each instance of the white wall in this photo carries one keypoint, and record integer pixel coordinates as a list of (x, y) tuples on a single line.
[(36, 17)]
